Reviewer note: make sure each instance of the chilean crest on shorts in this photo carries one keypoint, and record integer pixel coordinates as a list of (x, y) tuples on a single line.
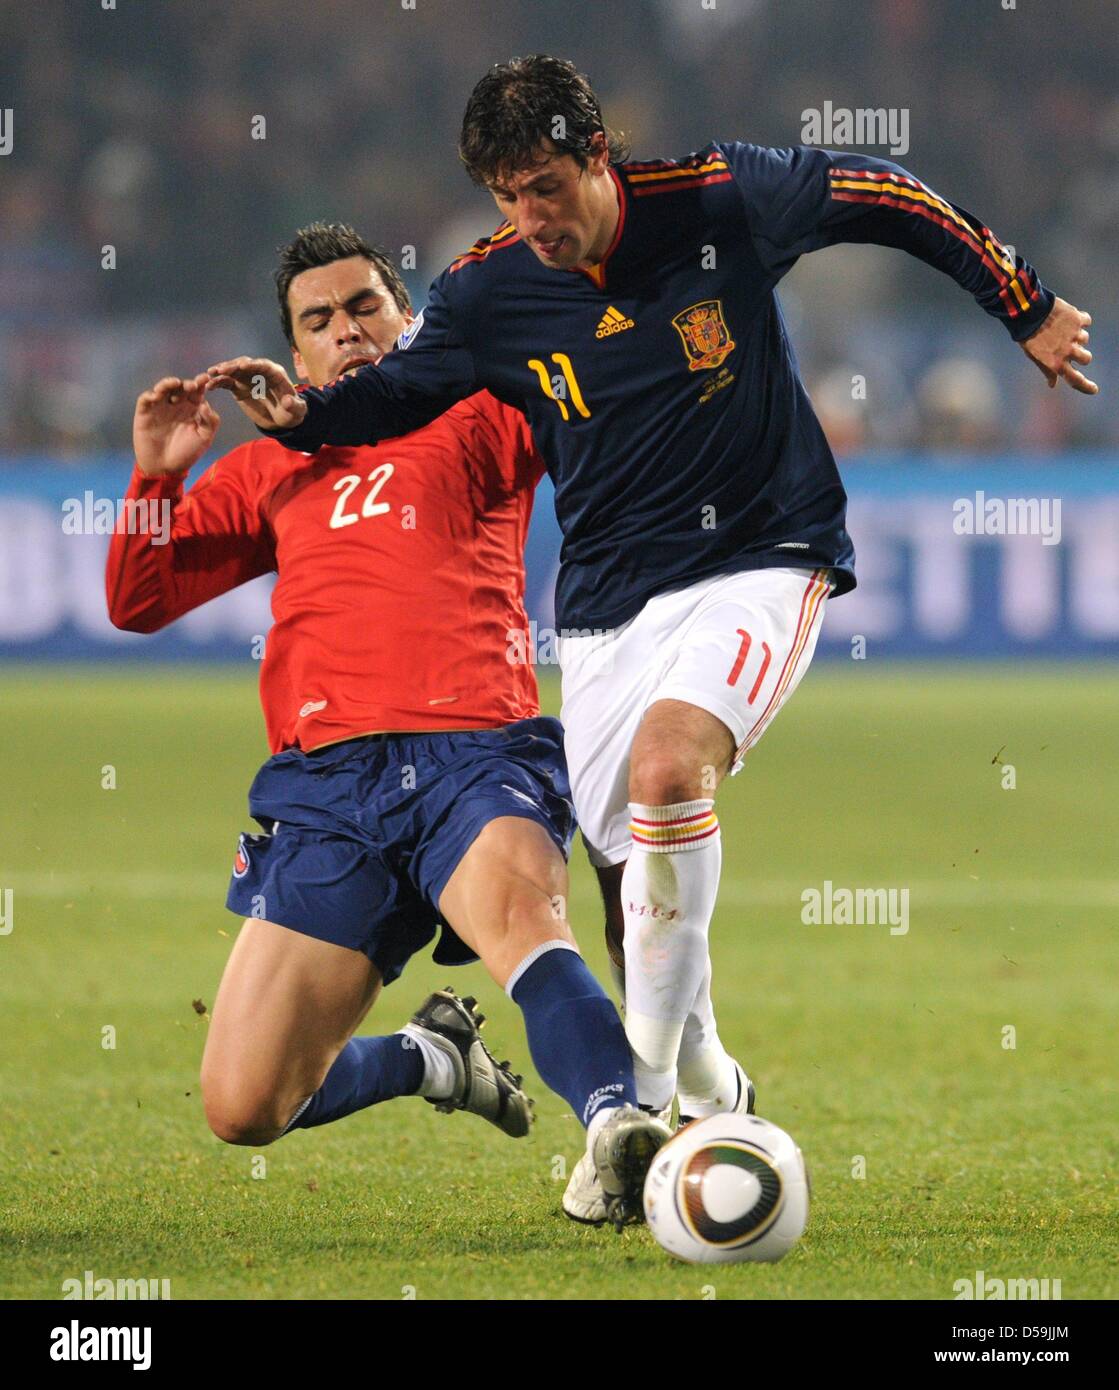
[(705, 335), (241, 860)]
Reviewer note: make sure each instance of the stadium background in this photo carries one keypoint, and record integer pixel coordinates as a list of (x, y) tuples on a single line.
[(132, 130)]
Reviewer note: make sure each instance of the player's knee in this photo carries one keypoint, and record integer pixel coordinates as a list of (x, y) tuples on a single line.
[(239, 1118), (526, 922), (532, 919), (663, 778), (235, 1127)]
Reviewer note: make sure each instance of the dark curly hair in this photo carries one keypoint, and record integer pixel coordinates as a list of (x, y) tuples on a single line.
[(519, 105), (321, 243)]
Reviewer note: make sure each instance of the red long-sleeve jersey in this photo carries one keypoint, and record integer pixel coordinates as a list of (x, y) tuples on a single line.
[(400, 573)]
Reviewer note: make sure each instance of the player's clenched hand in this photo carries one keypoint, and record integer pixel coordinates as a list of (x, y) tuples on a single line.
[(262, 389), (1059, 344), (174, 425)]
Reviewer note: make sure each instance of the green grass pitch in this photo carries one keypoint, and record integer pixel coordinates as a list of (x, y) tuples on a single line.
[(865, 1045)]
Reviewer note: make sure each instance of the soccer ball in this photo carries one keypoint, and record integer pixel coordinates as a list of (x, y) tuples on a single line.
[(728, 1188)]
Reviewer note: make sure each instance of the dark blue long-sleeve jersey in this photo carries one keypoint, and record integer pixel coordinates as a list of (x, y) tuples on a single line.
[(661, 386)]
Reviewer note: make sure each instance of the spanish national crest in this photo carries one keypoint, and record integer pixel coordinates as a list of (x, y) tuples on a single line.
[(705, 335)]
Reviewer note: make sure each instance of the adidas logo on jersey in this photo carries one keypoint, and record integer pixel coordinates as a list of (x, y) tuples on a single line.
[(613, 322)]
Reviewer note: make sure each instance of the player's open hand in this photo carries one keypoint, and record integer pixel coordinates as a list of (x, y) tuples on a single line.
[(262, 389), (174, 425), (1060, 344)]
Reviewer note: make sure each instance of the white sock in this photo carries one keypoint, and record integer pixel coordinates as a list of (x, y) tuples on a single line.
[(668, 895), (598, 1119), (439, 1070), (707, 1078)]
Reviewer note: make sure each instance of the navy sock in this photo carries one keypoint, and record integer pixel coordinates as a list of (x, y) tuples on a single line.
[(366, 1071), (575, 1036)]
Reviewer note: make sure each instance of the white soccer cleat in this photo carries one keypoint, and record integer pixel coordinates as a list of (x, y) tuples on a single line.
[(584, 1198), (623, 1151), (609, 1179)]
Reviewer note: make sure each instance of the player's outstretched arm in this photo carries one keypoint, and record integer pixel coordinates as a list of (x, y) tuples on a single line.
[(170, 553), (1059, 344), (173, 425), (430, 369), (262, 389), (802, 199)]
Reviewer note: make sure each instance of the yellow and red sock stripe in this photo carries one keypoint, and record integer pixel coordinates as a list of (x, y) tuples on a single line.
[(810, 606), (681, 832)]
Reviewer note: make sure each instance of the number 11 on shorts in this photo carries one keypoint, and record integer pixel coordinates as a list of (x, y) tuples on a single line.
[(740, 662)]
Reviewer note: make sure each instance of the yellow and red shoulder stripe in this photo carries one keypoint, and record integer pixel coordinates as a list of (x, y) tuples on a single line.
[(671, 176), (505, 235)]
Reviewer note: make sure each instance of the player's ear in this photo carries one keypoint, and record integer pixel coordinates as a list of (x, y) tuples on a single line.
[(599, 152), (300, 366)]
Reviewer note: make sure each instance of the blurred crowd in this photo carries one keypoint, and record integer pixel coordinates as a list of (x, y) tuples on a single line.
[(193, 136)]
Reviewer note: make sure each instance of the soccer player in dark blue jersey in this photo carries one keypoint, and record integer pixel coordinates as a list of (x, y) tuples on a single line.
[(630, 311)]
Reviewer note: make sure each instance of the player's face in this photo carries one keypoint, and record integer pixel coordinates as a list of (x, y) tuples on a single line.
[(565, 214), (342, 316)]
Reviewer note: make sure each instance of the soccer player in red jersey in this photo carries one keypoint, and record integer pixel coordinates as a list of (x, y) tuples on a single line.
[(413, 784)]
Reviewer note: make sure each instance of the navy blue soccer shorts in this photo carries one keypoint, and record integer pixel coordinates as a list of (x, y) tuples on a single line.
[(361, 837)]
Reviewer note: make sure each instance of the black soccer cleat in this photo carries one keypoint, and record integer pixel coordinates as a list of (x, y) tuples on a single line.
[(483, 1086)]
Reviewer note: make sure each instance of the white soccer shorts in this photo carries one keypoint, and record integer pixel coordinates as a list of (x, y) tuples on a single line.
[(736, 645)]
